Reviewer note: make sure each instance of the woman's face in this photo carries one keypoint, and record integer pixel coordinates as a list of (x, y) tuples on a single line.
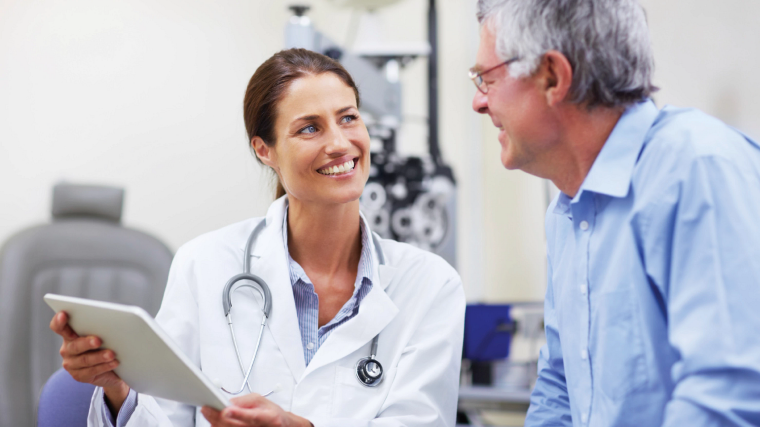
[(322, 148)]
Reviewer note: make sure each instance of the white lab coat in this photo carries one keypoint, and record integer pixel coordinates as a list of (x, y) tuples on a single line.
[(416, 305)]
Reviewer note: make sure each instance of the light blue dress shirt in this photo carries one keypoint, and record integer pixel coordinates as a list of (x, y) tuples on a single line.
[(125, 413), (307, 309), (652, 307), (307, 301)]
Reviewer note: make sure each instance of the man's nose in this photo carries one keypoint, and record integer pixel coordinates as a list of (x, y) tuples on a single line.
[(480, 102)]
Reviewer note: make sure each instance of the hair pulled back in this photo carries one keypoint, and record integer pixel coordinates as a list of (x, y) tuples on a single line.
[(271, 81)]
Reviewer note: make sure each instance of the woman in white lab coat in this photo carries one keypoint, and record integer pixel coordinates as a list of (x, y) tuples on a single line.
[(320, 261)]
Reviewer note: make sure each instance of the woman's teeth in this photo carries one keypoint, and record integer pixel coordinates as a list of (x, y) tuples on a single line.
[(338, 169)]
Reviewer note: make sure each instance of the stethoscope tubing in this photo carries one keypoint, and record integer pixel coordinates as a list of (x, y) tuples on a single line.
[(266, 295), (253, 359)]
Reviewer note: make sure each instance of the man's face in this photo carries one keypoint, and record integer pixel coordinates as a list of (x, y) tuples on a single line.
[(517, 107)]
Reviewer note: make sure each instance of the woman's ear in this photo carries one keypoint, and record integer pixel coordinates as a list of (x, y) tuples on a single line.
[(264, 152)]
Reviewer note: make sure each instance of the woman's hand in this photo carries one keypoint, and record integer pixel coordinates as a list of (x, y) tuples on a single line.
[(253, 410), (86, 364)]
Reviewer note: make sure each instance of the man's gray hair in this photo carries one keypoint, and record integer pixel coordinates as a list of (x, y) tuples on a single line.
[(605, 41)]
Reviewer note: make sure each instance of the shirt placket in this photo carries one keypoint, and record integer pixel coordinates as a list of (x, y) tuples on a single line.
[(583, 224), (312, 313)]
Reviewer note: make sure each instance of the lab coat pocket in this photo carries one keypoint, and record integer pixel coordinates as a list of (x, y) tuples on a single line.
[(617, 351), (352, 399)]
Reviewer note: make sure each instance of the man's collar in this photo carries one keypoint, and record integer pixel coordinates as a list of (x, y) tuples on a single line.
[(613, 168)]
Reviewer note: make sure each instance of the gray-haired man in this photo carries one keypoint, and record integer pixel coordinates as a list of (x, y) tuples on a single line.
[(653, 300)]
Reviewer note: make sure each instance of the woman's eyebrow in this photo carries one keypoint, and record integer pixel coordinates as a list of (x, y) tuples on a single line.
[(315, 116), (307, 118)]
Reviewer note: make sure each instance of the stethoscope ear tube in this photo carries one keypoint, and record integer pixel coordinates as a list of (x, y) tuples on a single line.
[(227, 301)]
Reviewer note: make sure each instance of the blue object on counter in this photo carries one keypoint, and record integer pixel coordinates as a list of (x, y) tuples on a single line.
[(488, 330)]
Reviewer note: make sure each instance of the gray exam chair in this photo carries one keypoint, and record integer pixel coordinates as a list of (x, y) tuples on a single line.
[(84, 252)]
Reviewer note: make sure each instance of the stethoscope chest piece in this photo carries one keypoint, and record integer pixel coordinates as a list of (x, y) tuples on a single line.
[(369, 371)]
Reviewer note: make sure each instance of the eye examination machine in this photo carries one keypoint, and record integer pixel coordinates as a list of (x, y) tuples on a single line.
[(411, 199)]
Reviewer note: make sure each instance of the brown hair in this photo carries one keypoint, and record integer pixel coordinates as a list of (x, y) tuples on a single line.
[(269, 84)]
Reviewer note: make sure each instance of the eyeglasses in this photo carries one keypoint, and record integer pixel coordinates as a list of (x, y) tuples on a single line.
[(477, 76)]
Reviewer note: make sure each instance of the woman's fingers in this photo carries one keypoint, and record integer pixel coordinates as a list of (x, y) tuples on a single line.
[(211, 414), (251, 410), (88, 359), (248, 417), (215, 418), (82, 357), (251, 400), (89, 373), (60, 325), (80, 345)]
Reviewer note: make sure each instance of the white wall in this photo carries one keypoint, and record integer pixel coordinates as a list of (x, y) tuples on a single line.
[(148, 95), (141, 94), (707, 56)]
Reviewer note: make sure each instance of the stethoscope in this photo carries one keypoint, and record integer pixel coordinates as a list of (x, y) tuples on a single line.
[(369, 371)]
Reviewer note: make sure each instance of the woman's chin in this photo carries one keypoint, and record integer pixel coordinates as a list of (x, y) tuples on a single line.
[(345, 191), (346, 196), (335, 196)]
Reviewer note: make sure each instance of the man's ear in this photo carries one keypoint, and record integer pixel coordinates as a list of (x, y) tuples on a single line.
[(555, 77), (264, 152)]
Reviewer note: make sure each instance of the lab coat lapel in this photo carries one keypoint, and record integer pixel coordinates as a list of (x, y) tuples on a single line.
[(376, 311), (270, 263)]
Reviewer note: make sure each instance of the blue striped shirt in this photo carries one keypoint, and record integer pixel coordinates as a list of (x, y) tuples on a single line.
[(307, 301), (125, 413)]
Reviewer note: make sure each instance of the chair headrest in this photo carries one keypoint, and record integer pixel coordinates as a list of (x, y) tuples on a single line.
[(73, 200)]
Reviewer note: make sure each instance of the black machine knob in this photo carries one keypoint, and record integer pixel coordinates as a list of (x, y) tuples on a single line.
[(299, 9), (334, 53)]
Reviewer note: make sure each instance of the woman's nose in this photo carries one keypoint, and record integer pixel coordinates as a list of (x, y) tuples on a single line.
[(337, 141)]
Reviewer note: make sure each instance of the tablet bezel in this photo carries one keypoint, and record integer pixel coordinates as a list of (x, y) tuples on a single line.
[(149, 360)]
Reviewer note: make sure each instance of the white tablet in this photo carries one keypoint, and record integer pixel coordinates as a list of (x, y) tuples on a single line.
[(149, 361)]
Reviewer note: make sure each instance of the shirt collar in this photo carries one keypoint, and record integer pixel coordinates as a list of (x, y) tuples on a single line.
[(613, 168), (366, 260)]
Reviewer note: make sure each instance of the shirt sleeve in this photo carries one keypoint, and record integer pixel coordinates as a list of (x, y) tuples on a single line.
[(126, 411), (549, 401), (712, 278)]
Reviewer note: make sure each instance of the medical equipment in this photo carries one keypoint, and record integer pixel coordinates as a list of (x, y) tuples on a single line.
[(369, 371), (411, 199)]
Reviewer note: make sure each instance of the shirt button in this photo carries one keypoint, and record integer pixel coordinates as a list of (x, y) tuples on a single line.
[(584, 417), (584, 354), (584, 290), (584, 225), (310, 346)]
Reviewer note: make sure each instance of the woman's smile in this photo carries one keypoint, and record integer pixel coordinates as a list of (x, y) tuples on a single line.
[(340, 168)]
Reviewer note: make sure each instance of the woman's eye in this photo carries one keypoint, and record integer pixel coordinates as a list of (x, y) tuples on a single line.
[(308, 129), (348, 119)]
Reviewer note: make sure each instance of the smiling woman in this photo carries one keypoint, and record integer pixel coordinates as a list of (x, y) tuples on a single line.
[(269, 85), (328, 274)]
